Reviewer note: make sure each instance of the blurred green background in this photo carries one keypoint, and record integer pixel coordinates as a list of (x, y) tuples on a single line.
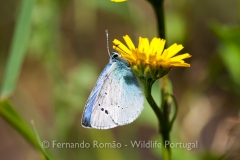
[(65, 46)]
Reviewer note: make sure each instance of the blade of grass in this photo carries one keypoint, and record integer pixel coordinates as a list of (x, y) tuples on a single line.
[(14, 119), (8, 112), (43, 150), (18, 47)]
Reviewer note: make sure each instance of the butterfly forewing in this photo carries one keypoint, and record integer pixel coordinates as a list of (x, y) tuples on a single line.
[(91, 99)]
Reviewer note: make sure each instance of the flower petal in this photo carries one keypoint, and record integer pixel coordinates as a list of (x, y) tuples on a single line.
[(174, 49), (165, 53), (174, 62), (121, 46), (135, 54), (161, 47), (181, 65), (142, 56), (129, 42), (143, 45), (152, 56), (118, 0), (153, 46), (180, 57), (124, 54)]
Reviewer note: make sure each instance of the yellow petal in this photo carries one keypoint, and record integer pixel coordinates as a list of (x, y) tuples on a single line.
[(129, 42), (174, 62), (165, 53), (181, 65), (142, 56), (140, 45), (172, 46), (129, 58), (153, 46), (135, 54), (174, 49), (143, 45), (125, 55), (121, 52), (152, 58), (118, 0), (161, 47), (180, 57), (121, 46), (160, 61)]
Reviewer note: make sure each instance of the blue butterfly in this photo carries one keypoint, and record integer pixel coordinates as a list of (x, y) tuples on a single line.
[(116, 99)]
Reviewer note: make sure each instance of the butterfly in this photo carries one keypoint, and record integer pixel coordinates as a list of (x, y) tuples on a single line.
[(116, 98)]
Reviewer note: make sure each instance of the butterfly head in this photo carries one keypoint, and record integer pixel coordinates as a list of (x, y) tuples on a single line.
[(115, 56)]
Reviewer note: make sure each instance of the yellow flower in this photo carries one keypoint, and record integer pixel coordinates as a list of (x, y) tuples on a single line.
[(118, 0), (151, 60)]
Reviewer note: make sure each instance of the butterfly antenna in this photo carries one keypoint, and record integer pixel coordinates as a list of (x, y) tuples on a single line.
[(107, 42)]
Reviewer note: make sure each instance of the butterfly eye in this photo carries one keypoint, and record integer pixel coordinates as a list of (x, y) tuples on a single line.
[(115, 55)]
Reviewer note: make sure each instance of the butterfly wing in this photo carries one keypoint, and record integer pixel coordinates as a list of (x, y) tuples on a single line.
[(92, 98), (120, 99)]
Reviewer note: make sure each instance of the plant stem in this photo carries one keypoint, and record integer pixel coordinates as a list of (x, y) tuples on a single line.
[(159, 12), (147, 91), (165, 131), (163, 112), (162, 116), (166, 149)]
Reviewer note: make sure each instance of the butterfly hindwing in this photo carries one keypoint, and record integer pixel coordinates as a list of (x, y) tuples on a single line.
[(119, 100)]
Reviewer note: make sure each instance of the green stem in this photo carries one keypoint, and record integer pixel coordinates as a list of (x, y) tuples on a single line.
[(166, 128), (163, 112), (166, 149), (175, 111), (162, 116), (159, 12), (147, 91)]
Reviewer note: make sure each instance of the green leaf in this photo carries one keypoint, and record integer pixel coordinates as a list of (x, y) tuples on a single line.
[(230, 55), (16, 121), (18, 47), (229, 49), (40, 143)]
